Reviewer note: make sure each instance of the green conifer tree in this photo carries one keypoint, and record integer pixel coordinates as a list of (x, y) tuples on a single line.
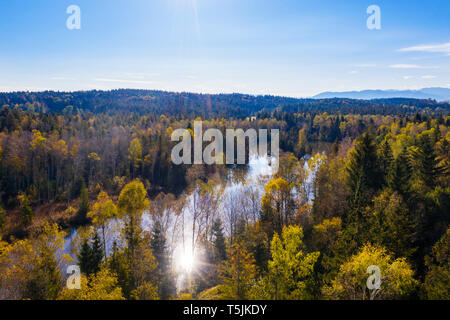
[(84, 257), (84, 204), (220, 250), (165, 277), (91, 255), (427, 164), (399, 174), (386, 159), (363, 173), (97, 252)]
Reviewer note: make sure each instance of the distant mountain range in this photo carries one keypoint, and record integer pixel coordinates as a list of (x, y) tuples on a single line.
[(439, 94)]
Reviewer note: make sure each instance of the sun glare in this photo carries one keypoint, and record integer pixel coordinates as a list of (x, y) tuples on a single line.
[(186, 260)]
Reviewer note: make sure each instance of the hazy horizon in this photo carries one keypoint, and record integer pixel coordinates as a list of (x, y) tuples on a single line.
[(315, 96)]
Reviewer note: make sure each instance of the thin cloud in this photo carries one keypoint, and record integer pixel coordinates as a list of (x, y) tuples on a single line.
[(407, 77), (428, 77), (409, 66), (123, 81), (439, 48)]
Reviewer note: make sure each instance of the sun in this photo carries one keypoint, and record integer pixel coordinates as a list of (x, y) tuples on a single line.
[(186, 260)]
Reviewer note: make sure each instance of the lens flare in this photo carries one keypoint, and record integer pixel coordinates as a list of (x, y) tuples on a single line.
[(186, 260)]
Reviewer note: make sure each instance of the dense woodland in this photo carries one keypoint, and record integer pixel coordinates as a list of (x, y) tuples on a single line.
[(80, 159)]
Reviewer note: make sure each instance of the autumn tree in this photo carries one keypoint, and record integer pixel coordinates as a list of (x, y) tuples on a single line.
[(331, 191), (26, 213), (143, 276), (327, 238), (139, 259), (147, 291), (437, 279), (132, 203), (102, 285), (237, 273), (118, 263), (291, 267), (45, 279), (16, 263), (291, 170), (277, 205), (396, 277), (102, 211), (135, 151), (257, 242)]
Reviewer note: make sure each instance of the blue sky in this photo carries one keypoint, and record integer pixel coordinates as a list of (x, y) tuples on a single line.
[(284, 47)]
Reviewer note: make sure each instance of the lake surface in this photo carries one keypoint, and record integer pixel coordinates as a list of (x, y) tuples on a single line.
[(237, 197)]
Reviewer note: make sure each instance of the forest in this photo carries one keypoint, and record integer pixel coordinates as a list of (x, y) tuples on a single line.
[(86, 179)]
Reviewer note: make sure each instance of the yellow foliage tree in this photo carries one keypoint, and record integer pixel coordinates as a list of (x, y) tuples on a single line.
[(99, 286), (352, 280), (135, 151), (437, 279), (277, 204), (291, 268), (30, 269), (131, 204), (103, 210)]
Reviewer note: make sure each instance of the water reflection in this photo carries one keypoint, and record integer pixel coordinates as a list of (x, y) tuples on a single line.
[(186, 219)]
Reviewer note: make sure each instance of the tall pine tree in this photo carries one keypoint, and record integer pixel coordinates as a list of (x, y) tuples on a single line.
[(220, 250), (399, 174), (386, 159), (165, 277), (84, 204), (91, 255), (363, 172), (427, 163)]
